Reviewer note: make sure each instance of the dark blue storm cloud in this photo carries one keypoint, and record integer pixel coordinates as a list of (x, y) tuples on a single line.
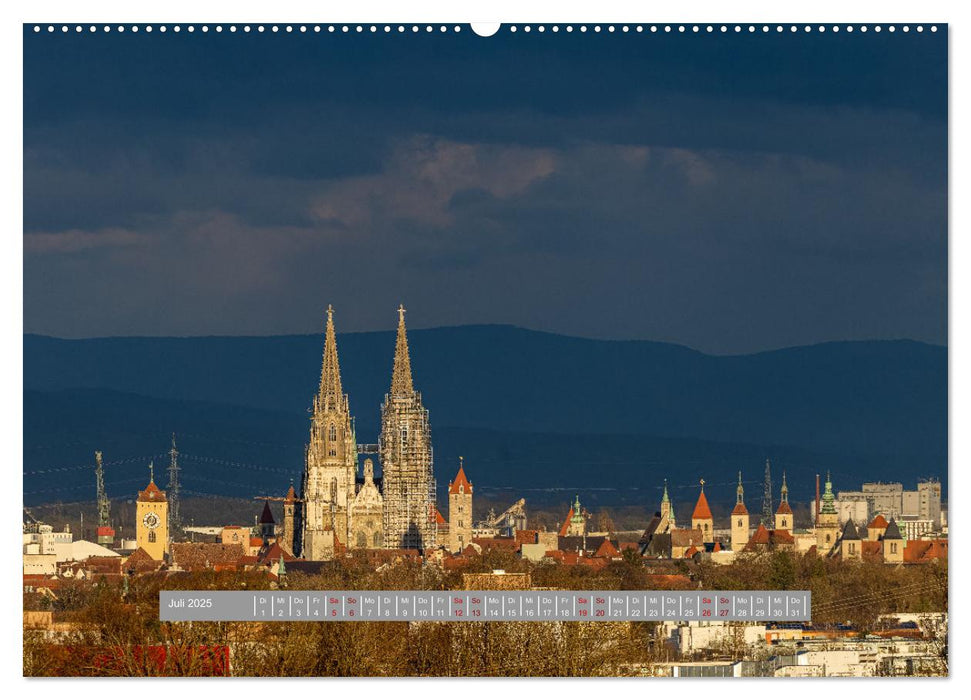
[(731, 192)]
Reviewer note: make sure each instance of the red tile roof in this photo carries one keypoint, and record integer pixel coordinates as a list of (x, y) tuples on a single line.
[(507, 543), (923, 551), (439, 520), (878, 522), (141, 561), (461, 484), (151, 493), (702, 511), (759, 537), (784, 508), (526, 536), (606, 550), (291, 495), (691, 552), (566, 523), (740, 509), (198, 556), (273, 552)]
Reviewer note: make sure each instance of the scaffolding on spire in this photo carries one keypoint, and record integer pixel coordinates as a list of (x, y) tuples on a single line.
[(175, 523), (767, 512), (407, 458), (401, 382)]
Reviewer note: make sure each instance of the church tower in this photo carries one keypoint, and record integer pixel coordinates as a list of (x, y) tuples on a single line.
[(331, 460), (783, 516), (406, 458), (667, 512), (152, 519), (459, 511), (740, 520), (827, 529), (287, 532), (701, 518)]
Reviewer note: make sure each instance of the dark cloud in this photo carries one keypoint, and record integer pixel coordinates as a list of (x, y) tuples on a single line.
[(731, 193)]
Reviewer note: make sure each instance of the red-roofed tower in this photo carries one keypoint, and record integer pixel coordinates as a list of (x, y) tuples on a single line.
[(701, 517), (459, 511)]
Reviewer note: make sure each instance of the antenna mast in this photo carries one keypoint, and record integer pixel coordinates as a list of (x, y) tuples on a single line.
[(767, 497), (173, 488)]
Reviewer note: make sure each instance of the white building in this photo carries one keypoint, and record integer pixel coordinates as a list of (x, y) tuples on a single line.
[(696, 636), (44, 549)]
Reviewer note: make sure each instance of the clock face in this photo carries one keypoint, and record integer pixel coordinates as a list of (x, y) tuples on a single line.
[(150, 521)]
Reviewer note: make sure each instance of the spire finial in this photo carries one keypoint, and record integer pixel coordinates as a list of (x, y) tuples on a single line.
[(702, 482), (151, 472), (739, 492), (401, 313), (785, 489)]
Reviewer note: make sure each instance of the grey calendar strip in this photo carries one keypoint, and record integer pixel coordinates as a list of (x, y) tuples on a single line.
[(398, 606)]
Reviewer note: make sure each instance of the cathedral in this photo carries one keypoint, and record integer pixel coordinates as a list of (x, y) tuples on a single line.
[(338, 508)]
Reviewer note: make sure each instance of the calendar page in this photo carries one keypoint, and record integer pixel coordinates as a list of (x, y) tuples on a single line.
[(397, 349)]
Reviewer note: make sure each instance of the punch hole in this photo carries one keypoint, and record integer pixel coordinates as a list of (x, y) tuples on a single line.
[(485, 29)]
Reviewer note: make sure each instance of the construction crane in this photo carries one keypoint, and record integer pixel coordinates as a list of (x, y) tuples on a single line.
[(105, 533), (510, 520)]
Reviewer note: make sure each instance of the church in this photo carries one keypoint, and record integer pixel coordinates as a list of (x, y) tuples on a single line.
[(338, 507)]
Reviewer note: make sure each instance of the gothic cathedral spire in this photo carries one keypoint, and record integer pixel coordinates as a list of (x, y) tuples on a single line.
[(331, 392), (331, 460), (406, 458), (401, 384)]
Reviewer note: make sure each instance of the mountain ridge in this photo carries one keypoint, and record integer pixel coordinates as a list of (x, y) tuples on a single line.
[(851, 397)]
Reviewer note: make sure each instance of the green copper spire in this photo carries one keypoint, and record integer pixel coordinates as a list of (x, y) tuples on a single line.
[(739, 492), (577, 513), (785, 489), (829, 506)]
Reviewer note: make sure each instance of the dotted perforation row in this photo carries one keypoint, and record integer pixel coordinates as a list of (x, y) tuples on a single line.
[(414, 28)]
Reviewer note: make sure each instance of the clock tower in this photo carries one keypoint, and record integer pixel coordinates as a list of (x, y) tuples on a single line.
[(152, 524)]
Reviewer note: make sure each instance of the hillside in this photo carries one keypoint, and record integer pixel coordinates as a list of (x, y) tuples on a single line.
[(851, 398)]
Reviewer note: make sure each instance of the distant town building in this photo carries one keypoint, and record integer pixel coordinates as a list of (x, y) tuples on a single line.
[(152, 520)]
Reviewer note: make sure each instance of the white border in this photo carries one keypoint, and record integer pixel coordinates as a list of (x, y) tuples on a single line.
[(562, 11)]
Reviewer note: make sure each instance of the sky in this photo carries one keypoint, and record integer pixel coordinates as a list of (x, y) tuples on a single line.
[(733, 193)]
